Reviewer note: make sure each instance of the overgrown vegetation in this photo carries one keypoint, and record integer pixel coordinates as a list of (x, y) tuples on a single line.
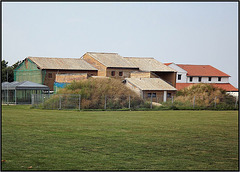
[(203, 96), (112, 94), (95, 93)]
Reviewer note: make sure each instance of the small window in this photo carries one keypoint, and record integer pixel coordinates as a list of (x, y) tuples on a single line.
[(149, 94), (209, 78), (120, 73), (199, 79), (49, 75), (190, 79), (169, 95), (179, 77), (113, 73), (219, 78), (154, 95)]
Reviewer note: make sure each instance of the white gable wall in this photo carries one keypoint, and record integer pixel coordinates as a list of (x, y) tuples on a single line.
[(181, 72)]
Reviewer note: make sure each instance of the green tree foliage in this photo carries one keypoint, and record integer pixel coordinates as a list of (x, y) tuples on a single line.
[(7, 71)]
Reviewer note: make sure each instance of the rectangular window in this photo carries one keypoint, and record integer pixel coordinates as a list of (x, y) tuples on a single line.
[(113, 73), (120, 73), (152, 94), (49, 75), (199, 79), (209, 78), (219, 78), (179, 77), (169, 95), (190, 79)]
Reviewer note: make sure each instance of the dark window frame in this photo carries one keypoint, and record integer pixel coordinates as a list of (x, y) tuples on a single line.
[(169, 95), (120, 73), (190, 79), (50, 75), (179, 77), (199, 79), (219, 79), (209, 78), (151, 94), (112, 73)]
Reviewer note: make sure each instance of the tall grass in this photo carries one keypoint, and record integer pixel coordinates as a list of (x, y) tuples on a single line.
[(203, 96), (94, 93)]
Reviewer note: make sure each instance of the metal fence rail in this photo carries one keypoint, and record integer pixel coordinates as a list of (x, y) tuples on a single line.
[(78, 102)]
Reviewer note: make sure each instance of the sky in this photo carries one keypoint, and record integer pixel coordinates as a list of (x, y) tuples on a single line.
[(200, 33)]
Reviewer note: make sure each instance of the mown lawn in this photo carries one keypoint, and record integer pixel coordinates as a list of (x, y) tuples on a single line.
[(34, 139)]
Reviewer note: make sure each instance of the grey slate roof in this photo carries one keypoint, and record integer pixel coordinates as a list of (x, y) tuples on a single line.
[(149, 64), (150, 84), (112, 60), (62, 63), (25, 85)]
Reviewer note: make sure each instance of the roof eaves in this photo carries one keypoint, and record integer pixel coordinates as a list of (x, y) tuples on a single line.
[(133, 84), (32, 60), (95, 58)]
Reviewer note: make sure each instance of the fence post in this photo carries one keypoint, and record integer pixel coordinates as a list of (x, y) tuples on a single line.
[(215, 102), (79, 102), (60, 104), (151, 101), (129, 105), (236, 102), (172, 100), (105, 103), (32, 99), (194, 102), (15, 96)]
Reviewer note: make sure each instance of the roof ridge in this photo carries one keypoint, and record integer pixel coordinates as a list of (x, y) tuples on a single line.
[(140, 57), (77, 58), (193, 65), (101, 53)]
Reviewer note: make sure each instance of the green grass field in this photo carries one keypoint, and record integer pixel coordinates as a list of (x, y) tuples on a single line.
[(129, 140)]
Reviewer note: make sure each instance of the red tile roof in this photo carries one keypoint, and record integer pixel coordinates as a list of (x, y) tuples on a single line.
[(202, 70), (167, 63), (224, 86)]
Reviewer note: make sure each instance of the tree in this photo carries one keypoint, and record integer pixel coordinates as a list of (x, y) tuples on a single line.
[(8, 71), (14, 66)]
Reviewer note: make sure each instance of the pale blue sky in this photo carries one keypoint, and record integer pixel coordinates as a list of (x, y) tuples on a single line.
[(184, 33)]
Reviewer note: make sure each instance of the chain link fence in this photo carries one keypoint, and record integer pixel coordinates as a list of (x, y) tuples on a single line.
[(105, 102)]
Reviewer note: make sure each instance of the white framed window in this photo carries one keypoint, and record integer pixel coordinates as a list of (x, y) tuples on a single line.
[(179, 76), (191, 78)]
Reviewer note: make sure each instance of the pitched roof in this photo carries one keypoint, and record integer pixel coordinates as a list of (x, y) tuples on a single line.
[(150, 84), (149, 64), (112, 60), (62, 63), (25, 85), (202, 70), (224, 86)]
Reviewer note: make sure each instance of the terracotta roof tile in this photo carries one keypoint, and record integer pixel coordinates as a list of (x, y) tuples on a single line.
[(167, 64), (202, 70)]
